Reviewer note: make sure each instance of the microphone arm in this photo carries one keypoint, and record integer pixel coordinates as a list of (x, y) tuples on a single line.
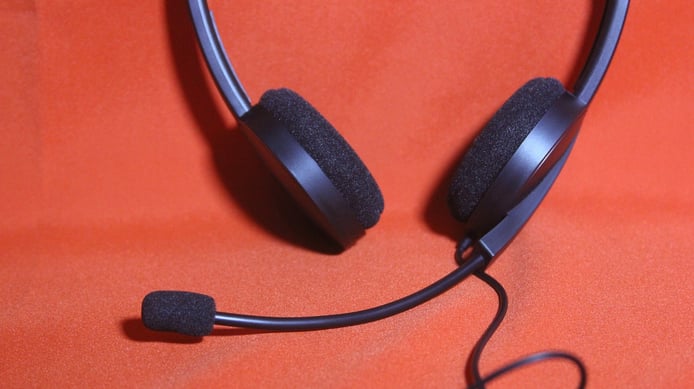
[(353, 318)]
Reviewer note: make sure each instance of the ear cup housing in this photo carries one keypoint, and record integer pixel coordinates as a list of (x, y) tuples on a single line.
[(315, 165), (495, 145), (331, 152)]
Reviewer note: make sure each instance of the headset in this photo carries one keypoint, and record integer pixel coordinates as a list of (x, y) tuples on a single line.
[(496, 187)]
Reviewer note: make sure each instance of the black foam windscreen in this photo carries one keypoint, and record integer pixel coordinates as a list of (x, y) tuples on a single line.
[(331, 152), (497, 142), (183, 312)]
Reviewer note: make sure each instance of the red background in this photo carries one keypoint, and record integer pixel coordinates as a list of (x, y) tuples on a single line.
[(121, 172)]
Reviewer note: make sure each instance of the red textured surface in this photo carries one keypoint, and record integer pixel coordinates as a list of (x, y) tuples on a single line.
[(122, 172)]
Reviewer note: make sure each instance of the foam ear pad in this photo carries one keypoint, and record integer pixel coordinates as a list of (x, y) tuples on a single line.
[(497, 142), (329, 149)]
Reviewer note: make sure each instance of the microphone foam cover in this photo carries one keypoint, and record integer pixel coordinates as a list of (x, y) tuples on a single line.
[(183, 312)]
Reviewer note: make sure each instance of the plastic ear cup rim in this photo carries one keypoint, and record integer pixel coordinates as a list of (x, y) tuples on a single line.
[(301, 176), (330, 150), (498, 141), (546, 144)]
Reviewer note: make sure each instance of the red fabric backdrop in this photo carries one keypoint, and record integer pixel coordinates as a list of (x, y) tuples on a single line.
[(122, 172)]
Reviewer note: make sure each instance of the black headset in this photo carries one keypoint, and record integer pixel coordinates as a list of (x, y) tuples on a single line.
[(497, 185), (520, 145)]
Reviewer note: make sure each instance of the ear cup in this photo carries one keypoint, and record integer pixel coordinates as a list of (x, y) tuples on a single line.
[(331, 152), (497, 143)]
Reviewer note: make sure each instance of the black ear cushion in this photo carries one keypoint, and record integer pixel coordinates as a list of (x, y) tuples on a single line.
[(497, 142), (329, 149)]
